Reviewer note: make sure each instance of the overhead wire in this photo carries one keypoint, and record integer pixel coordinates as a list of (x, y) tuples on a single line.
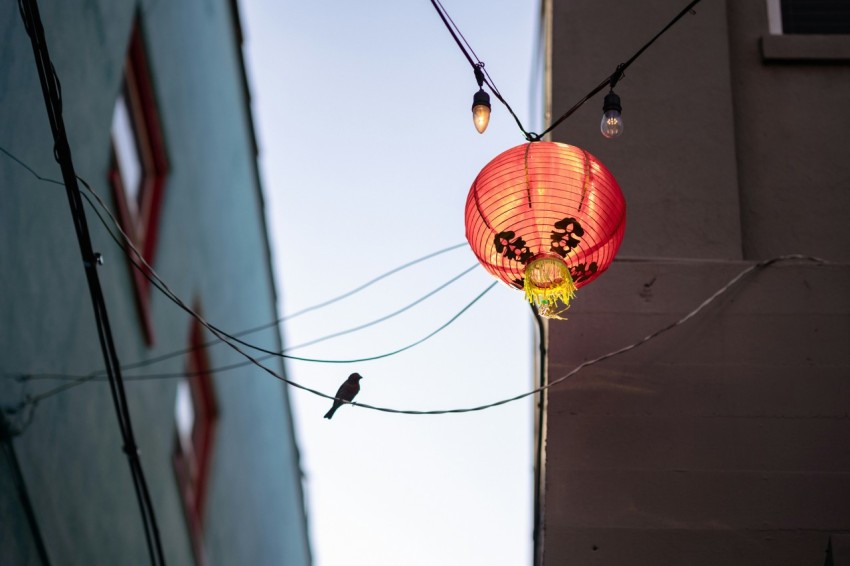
[(611, 79), (139, 262), (274, 323), (386, 317), (52, 93), (614, 77), (544, 387), (229, 339), (475, 62), (147, 270)]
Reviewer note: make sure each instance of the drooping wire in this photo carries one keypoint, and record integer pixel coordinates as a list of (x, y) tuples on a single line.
[(386, 317), (52, 93), (81, 379), (369, 283), (272, 324), (230, 339), (731, 283), (699, 308), (139, 263)]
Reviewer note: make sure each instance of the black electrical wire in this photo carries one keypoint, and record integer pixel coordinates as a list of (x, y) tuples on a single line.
[(614, 77), (266, 326), (549, 384), (611, 79), (98, 375), (20, 485), (250, 360), (148, 272), (145, 268), (51, 90), (155, 280), (476, 63)]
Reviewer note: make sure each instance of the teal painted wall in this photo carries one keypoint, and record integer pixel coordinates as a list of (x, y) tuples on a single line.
[(212, 250)]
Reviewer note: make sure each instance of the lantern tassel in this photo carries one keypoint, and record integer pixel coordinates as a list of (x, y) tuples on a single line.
[(546, 298)]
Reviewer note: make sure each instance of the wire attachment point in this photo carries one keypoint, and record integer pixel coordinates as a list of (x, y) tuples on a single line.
[(479, 73)]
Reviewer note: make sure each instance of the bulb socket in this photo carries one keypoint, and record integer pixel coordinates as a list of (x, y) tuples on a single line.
[(481, 98), (612, 102)]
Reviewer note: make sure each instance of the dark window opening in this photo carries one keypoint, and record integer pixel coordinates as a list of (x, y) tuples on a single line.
[(827, 17)]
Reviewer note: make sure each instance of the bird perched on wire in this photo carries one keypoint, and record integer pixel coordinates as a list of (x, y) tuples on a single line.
[(346, 392)]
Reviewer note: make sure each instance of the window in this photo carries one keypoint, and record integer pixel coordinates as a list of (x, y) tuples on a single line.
[(138, 167), (195, 416), (807, 30), (822, 17)]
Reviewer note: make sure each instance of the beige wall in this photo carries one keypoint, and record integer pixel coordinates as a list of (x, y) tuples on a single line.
[(727, 440)]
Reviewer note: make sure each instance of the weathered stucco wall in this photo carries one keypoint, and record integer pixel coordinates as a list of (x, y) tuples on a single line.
[(723, 441), (212, 251)]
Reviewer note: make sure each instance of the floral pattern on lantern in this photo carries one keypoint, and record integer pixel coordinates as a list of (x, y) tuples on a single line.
[(547, 218)]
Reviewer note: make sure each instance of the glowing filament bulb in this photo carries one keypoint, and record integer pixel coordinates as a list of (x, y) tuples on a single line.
[(612, 120), (481, 110)]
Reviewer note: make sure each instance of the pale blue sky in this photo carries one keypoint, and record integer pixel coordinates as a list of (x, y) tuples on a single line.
[(367, 154)]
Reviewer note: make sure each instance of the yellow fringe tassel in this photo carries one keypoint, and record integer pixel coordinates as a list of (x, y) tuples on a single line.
[(558, 288)]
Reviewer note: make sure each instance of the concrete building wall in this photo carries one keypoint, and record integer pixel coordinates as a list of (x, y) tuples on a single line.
[(212, 251), (724, 440)]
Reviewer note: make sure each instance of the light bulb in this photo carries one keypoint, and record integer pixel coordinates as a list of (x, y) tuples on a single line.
[(612, 120), (481, 110)]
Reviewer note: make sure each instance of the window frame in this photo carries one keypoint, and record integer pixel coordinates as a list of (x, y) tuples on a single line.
[(778, 46), (192, 468), (142, 227)]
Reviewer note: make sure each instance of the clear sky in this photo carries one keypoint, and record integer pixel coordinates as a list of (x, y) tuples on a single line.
[(367, 155)]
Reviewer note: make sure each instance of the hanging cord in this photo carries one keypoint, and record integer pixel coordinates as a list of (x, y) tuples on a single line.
[(614, 77), (230, 339), (713, 297), (160, 285), (151, 274), (51, 90), (477, 65)]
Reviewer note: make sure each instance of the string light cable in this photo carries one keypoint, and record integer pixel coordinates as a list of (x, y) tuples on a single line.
[(611, 80), (475, 62)]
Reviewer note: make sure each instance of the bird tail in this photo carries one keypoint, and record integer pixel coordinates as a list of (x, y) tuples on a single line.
[(330, 413)]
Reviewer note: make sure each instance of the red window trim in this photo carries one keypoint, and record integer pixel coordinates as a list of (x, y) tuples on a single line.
[(143, 230), (192, 471)]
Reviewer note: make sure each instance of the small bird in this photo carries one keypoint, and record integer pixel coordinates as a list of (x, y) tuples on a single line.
[(346, 392)]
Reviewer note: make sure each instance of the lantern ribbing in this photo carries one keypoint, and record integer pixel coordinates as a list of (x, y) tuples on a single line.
[(545, 217)]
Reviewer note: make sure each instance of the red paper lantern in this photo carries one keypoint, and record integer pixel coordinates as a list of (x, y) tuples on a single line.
[(547, 218)]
